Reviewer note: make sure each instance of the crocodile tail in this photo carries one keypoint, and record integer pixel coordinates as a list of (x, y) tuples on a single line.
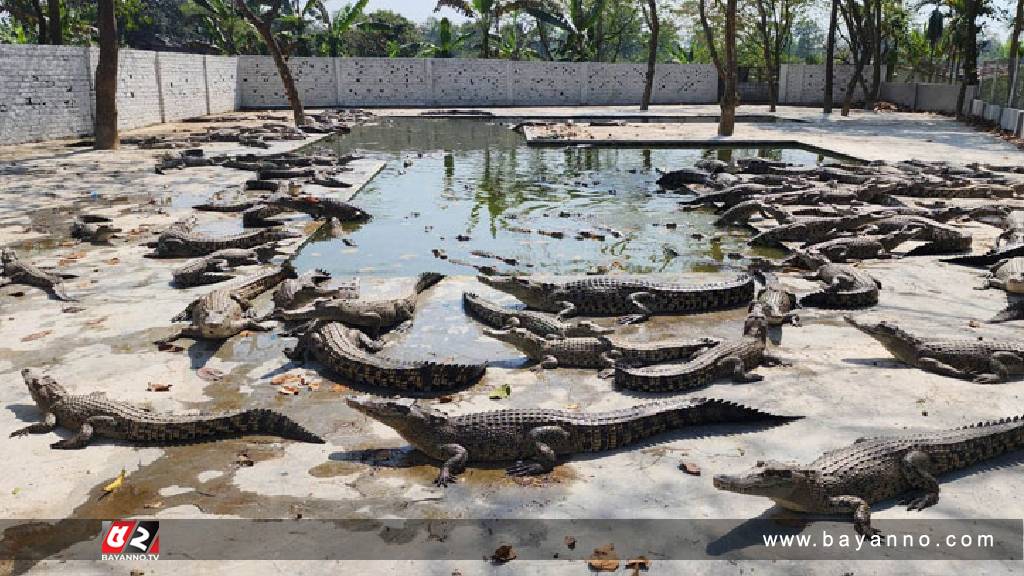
[(426, 280), (263, 421), (840, 300), (439, 377), (1012, 312), (713, 410)]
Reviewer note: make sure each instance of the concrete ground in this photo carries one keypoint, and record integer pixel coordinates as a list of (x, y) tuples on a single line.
[(844, 383)]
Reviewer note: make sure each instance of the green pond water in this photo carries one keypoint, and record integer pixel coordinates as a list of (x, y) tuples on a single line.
[(448, 180)]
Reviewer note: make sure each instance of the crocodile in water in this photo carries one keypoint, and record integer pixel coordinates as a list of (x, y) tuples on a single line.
[(537, 322)]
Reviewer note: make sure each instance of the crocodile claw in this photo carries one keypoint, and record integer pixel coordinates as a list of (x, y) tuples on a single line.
[(920, 502), (525, 469), (16, 433), (632, 319), (444, 478)]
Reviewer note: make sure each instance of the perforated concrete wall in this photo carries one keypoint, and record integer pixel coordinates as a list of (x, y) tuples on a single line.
[(44, 93), (222, 83), (804, 84), (182, 85)]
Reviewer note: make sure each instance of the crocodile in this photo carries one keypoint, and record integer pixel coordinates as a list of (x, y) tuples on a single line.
[(773, 302), (226, 311), (542, 435), (983, 361), (213, 268), (15, 271), (848, 480), (863, 247), (939, 238), (93, 229), (182, 241), (813, 230), (1009, 244), (351, 354), (741, 213), (730, 359), (611, 295), (320, 207), (846, 287), (376, 315), (1007, 275), (300, 291), (597, 351), (537, 322), (95, 415)]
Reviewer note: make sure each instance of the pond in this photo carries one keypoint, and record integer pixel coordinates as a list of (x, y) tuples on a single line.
[(458, 193)]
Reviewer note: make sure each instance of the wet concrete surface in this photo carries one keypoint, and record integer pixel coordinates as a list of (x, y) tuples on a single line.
[(844, 384)]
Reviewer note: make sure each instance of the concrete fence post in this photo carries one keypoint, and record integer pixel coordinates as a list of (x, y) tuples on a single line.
[(783, 94), (159, 87), (432, 98), (508, 83), (336, 72), (583, 70), (206, 85)]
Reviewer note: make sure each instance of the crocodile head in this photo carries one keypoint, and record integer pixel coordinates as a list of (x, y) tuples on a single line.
[(520, 338), (785, 483), (529, 291), (45, 390), (408, 418)]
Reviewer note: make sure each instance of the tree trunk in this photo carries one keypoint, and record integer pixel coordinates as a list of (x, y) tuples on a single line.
[(56, 30), (858, 71), (970, 55), (1018, 20), (876, 58), (830, 56), (727, 123), (41, 21), (106, 78), (485, 38), (262, 26), (652, 53)]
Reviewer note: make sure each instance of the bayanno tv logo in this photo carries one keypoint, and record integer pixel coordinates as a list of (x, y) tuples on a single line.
[(130, 540)]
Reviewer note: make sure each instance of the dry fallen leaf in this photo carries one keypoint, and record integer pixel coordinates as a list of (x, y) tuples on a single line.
[(113, 261), (338, 388), (503, 554), (72, 309), (35, 336), (570, 542), (156, 387), (288, 390), (168, 347), (313, 385), (604, 559), (243, 460), (96, 321), (283, 378), (445, 399), (209, 374), (153, 505), (690, 468), (637, 564), (572, 406)]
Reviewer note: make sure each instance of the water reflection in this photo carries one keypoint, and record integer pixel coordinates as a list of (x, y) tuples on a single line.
[(467, 188)]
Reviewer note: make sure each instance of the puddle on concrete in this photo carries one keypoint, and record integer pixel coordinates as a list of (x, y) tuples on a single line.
[(461, 186)]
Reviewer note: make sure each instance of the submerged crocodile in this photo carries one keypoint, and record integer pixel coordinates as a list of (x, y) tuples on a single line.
[(300, 291), (95, 415), (612, 295), (183, 241), (732, 359), (376, 315), (850, 479), (542, 435), (845, 286), (537, 322), (352, 354), (599, 351), (15, 271), (214, 268), (983, 361), (1007, 275), (226, 311)]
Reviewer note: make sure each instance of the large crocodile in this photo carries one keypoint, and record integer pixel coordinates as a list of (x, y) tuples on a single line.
[(740, 214), (214, 268), (95, 415), (862, 247), (773, 302), (352, 354), (612, 295), (983, 361), (1006, 275), (226, 311), (537, 322), (542, 435), (598, 351), (183, 241), (1009, 244), (15, 271), (732, 359), (850, 479), (811, 230), (375, 315), (308, 287), (939, 238)]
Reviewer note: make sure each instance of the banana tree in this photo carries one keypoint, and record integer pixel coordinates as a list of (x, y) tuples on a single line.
[(447, 42), (222, 25), (487, 14), (578, 20)]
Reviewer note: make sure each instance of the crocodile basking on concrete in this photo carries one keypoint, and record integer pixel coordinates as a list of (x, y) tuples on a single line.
[(214, 268), (980, 360), (773, 302), (1009, 244), (310, 286), (850, 479), (597, 351), (226, 311), (732, 359), (863, 247), (938, 238), (1007, 275), (542, 435), (15, 271), (811, 230), (613, 295), (376, 315), (95, 415), (351, 354), (845, 287), (181, 241), (537, 322), (740, 214)]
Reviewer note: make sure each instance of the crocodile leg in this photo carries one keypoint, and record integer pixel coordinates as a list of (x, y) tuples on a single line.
[(455, 464), (915, 467), (734, 365), (645, 312), (861, 513), (547, 363), (1000, 370), (568, 309), (84, 434), (544, 457), (933, 365), (370, 344), (609, 358), (48, 424)]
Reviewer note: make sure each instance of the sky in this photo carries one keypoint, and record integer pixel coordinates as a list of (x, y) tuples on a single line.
[(415, 10)]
